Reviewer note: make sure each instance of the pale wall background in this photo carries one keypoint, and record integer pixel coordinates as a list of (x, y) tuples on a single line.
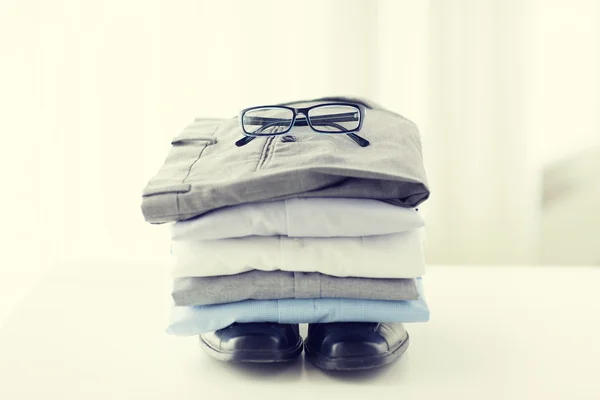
[(504, 91)]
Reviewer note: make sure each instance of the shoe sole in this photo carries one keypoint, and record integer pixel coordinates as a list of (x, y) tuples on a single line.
[(356, 363), (253, 356)]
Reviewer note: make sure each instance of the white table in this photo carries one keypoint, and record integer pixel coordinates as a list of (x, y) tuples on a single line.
[(96, 332)]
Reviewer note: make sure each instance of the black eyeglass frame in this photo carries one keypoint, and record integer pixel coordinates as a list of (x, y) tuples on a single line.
[(306, 120)]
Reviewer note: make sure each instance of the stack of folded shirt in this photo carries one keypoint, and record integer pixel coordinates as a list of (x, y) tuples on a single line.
[(314, 229), (299, 260)]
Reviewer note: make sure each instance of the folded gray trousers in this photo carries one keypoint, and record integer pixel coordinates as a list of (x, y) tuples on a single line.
[(271, 285), (204, 170)]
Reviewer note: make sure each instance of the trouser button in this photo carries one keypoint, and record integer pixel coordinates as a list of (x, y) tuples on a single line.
[(288, 138)]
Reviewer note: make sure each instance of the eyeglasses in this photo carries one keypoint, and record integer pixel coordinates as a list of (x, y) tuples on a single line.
[(327, 118)]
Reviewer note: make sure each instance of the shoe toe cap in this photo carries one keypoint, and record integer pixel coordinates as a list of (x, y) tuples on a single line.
[(354, 348), (255, 343), (252, 337)]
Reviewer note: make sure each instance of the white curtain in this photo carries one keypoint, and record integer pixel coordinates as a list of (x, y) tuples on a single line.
[(93, 92)]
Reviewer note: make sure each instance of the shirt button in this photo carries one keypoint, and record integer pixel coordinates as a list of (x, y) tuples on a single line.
[(288, 138)]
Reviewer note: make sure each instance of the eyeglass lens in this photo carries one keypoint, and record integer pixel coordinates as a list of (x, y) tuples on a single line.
[(267, 120), (334, 118)]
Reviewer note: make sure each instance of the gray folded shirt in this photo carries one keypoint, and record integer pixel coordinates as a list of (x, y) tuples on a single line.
[(271, 285), (204, 170)]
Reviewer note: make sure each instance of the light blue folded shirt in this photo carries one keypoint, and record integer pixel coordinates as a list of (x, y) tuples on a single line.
[(195, 320)]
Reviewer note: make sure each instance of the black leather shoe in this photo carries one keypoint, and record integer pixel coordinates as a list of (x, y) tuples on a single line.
[(263, 342), (354, 345)]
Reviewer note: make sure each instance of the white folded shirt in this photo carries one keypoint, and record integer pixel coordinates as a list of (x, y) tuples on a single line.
[(301, 217), (396, 255)]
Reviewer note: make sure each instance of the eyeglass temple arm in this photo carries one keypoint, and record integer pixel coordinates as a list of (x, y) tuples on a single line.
[(247, 139), (362, 142), (244, 141)]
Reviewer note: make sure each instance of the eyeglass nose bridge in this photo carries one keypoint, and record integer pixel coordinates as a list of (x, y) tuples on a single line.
[(301, 119)]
